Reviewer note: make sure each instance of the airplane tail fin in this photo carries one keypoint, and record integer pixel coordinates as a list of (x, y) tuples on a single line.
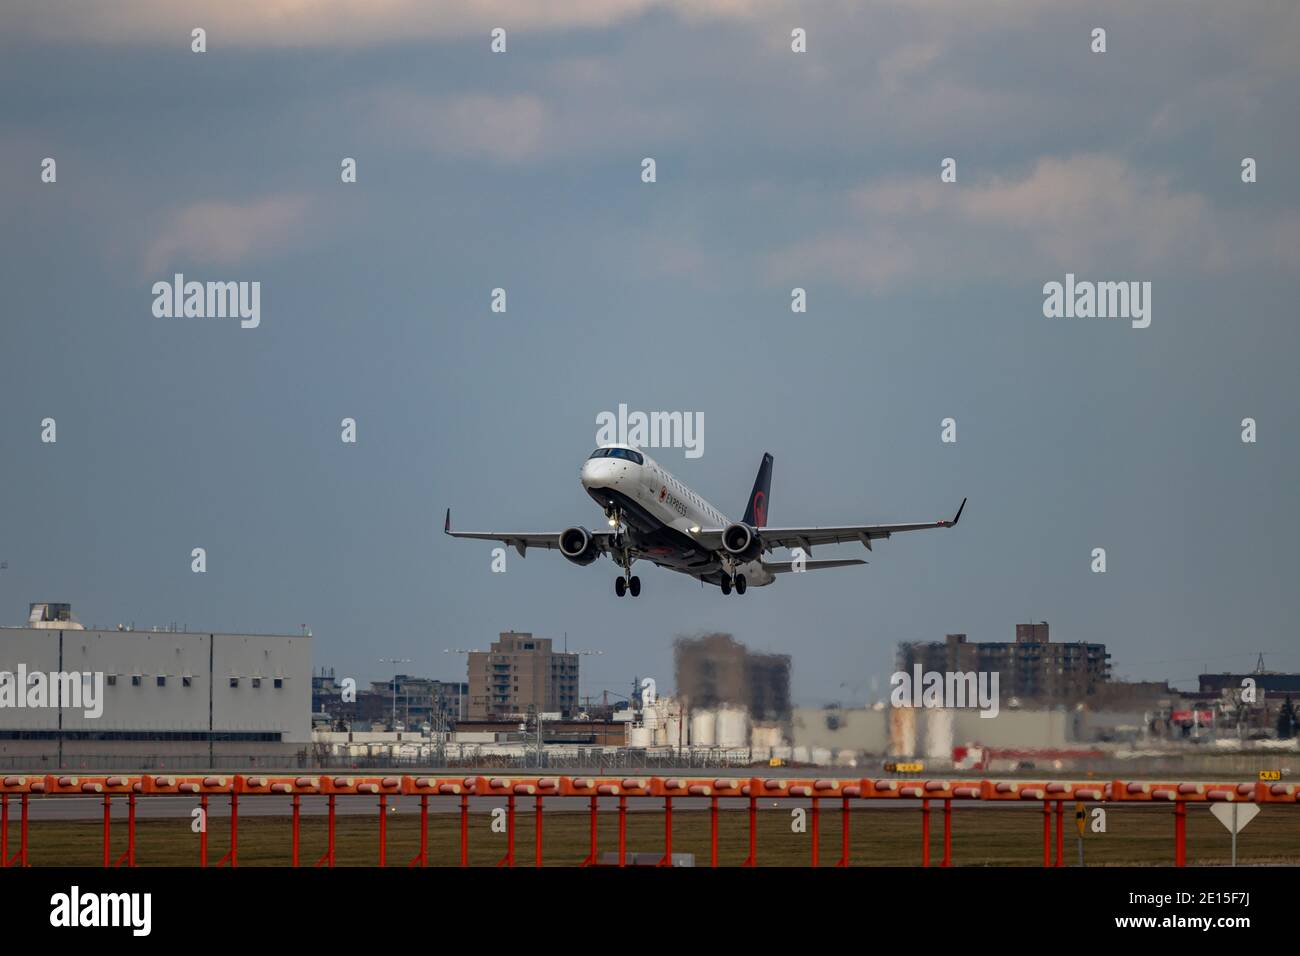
[(756, 509)]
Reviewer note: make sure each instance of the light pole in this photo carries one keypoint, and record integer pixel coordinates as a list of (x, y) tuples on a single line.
[(394, 660), (536, 715)]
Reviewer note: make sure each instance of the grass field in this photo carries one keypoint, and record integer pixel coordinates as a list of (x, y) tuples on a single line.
[(1002, 836)]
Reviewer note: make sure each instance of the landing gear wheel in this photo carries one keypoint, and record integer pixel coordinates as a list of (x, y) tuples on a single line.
[(620, 586), (741, 584), (726, 585), (634, 585)]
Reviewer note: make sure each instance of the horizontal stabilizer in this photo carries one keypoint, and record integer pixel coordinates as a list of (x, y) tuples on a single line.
[(811, 564)]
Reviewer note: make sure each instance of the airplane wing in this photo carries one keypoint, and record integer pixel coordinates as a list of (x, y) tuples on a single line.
[(806, 538), (521, 541)]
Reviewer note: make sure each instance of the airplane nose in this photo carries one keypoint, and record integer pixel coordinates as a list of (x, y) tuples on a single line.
[(598, 473)]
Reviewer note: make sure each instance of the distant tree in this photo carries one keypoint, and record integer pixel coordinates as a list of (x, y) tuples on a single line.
[(1286, 720)]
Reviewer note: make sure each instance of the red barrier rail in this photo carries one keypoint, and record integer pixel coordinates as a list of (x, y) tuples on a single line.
[(1049, 794)]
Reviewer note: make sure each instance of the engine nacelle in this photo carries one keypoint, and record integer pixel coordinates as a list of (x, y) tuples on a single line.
[(578, 546), (741, 542)]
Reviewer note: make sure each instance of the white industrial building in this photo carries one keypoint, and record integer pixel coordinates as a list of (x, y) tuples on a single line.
[(200, 698), (927, 732)]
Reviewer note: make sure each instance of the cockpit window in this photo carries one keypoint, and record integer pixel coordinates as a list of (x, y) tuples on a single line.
[(625, 453)]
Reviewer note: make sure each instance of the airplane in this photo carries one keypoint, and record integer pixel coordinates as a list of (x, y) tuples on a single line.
[(655, 517)]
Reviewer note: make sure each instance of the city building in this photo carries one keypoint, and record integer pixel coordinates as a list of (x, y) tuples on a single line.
[(1236, 711), (715, 670), (160, 693), (723, 685), (422, 700), (409, 701), (709, 670), (1032, 668), (559, 733), (1271, 683), (521, 673)]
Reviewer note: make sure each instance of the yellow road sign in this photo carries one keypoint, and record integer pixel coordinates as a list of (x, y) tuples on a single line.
[(904, 767)]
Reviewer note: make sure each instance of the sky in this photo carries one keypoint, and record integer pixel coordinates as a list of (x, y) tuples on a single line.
[(774, 169)]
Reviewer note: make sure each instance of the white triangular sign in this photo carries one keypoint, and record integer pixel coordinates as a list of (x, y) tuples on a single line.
[(1244, 813)]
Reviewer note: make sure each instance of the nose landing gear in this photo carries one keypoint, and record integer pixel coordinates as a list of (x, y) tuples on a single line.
[(615, 518)]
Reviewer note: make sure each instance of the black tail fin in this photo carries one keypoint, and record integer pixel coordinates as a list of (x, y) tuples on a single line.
[(756, 510)]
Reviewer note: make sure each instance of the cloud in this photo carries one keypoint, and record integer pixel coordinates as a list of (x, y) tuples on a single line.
[(1077, 213), (905, 62), (1085, 208), (583, 112), (224, 233), (307, 23)]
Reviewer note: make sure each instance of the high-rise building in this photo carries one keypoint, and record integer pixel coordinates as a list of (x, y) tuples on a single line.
[(520, 673), (767, 677), (715, 670)]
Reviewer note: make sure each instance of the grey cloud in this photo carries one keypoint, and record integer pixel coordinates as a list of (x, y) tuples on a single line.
[(1079, 212), (312, 23), (225, 233)]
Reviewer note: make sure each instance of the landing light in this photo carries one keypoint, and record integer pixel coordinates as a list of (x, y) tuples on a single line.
[(612, 522), (695, 530)]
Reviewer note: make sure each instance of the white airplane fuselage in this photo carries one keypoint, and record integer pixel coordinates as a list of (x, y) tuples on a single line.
[(663, 513)]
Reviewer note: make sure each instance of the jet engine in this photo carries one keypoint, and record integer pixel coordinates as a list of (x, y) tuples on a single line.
[(578, 546), (741, 542)]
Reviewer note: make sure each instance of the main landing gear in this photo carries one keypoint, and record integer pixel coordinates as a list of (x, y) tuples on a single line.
[(738, 582)]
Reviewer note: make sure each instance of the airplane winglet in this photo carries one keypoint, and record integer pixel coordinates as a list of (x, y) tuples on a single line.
[(951, 524), (446, 524)]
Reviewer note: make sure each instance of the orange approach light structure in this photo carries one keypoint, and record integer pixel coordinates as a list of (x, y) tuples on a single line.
[(1051, 796)]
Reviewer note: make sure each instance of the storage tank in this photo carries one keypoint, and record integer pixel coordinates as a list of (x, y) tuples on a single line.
[(669, 731), (651, 718), (639, 736), (733, 728), (938, 734), (766, 735), (704, 728), (902, 732)]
